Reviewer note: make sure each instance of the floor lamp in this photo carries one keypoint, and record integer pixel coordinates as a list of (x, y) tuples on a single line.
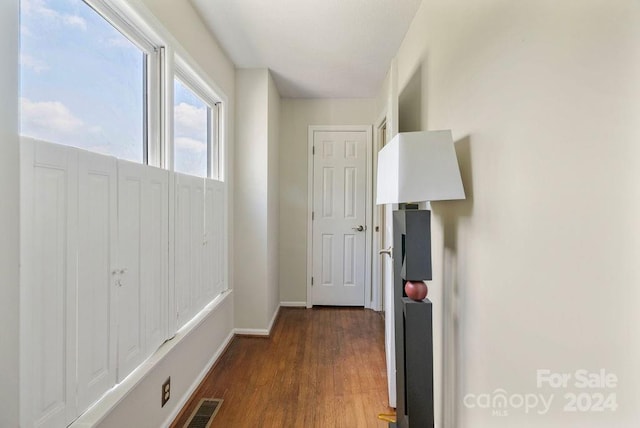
[(415, 167)]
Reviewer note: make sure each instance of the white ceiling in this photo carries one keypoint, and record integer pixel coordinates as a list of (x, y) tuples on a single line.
[(314, 48)]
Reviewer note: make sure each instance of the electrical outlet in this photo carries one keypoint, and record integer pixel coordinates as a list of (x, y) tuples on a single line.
[(166, 391)]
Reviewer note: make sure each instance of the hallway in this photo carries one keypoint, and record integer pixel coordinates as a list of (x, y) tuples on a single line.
[(321, 367)]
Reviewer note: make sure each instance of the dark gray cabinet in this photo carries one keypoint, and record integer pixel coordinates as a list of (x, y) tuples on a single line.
[(413, 321)]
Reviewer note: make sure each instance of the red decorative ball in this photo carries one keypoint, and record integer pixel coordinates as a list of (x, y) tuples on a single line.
[(416, 290)]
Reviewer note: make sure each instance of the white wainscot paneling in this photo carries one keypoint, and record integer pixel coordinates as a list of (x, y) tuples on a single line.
[(95, 271), (219, 237), (155, 257), (189, 236), (213, 258), (97, 228), (141, 271), (128, 269), (48, 317), (197, 246)]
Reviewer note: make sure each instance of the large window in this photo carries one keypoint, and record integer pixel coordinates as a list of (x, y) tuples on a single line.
[(100, 294), (195, 132), (83, 83)]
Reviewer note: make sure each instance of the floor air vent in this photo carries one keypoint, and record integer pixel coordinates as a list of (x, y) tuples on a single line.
[(203, 415)]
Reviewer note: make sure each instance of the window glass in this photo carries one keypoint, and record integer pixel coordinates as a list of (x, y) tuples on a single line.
[(82, 81), (191, 128)]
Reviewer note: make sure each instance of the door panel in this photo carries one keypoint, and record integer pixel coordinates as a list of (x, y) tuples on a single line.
[(155, 257), (130, 343), (142, 262), (49, 194), (189, 246), (197, 243), (214, 238), (350, 260), (183, 248), (340, 172), (97, 226), (327, 260)]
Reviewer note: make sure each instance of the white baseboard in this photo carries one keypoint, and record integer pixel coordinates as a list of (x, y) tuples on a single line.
[(259, 331), (185, 398), (252, 331), (293, 304), (273, 318)]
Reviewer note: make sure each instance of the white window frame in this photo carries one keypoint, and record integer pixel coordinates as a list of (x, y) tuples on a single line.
[(117, 14), (192, 80)]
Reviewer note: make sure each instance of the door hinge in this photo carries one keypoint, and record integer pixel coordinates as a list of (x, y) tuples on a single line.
[(313, 150), (313, 215), (312, 281)]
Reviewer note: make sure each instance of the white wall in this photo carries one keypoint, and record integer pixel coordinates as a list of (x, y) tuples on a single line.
[(185, 24), (296, 117), (185, 364), (543, 98), (256, 222), (387, 102), (251, 201), (273, 203), (9, 215)]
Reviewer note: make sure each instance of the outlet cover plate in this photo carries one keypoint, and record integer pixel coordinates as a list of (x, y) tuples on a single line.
[(166, 391)]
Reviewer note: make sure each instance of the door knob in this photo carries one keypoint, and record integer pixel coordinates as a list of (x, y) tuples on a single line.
[(388, 251), (359, 228)]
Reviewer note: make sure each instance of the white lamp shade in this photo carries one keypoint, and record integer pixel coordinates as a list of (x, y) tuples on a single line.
[(418, 167)]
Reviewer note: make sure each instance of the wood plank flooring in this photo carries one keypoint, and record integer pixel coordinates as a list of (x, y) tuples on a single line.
[(321, 367)]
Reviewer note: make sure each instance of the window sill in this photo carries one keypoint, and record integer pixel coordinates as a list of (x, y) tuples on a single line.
[(112, 398)]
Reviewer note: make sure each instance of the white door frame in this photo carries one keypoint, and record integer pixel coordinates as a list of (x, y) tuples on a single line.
[(369, 206), (377, 287), (378, 261)]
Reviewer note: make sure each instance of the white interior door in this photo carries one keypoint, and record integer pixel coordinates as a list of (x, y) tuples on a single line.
[(386, 276), (389, 317), (339, 217)]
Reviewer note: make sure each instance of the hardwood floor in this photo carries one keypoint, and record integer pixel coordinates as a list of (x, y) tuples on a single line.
[(321, 367)]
